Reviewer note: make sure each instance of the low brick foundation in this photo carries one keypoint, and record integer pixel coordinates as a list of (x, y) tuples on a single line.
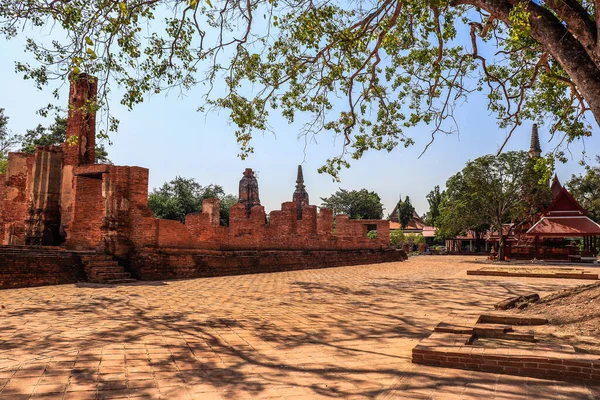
[(559, 273), (26, 266), (454, 345), (30, 266), (161, 263)]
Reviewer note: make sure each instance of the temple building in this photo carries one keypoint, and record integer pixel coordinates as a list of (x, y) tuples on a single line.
[(562, 231), (415, 225)]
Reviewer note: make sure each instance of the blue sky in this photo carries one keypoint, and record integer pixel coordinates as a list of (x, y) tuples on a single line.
[(168, 136)]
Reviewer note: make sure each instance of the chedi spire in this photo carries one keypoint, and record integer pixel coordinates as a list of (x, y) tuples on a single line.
[(300, 196), (535, 150)]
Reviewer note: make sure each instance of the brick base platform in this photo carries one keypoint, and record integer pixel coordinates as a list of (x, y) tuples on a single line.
[(158, 264), (489, 343), (26, 266)]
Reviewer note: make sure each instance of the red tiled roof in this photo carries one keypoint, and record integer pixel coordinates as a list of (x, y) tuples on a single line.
[(564, 204), (425, 230), (469, 235), (562, 226), (394, 225)]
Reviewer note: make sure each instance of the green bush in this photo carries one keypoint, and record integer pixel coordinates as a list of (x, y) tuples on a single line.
[(372, 234), (396, 238), (399, 239)]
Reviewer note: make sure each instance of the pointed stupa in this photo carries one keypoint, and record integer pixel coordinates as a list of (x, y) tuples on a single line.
[(300, 196), (535, 150), (556, 187), (248, 194)]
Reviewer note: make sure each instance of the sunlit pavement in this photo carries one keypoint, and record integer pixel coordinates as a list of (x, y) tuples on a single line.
[(325, 333)]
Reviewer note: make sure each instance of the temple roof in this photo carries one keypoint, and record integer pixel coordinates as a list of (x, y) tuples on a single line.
[(564, 217), (564, 226), (415, 219), (564, 204), (556, 187)]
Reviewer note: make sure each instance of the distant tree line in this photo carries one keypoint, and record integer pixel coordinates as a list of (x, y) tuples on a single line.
[(357, 204), (182, 196)]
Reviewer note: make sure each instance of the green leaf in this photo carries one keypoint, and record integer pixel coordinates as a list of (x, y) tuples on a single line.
[(91, 53)]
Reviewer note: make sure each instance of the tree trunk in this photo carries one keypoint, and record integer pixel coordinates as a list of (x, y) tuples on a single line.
[(501, 248)]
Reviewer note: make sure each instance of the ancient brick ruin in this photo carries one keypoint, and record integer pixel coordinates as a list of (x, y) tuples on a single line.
[(60, 197)]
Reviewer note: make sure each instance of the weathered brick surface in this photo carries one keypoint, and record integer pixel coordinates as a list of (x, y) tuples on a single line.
[(43, 197), (14, 211), (88, 210), (537, 367), (453, 345), (81, 123), (337, 333), (25, 267), (173, 263)]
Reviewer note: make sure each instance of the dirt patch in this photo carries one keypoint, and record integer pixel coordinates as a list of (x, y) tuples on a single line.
[(573, 317)]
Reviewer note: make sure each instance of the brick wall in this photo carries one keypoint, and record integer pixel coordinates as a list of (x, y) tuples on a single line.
[(26, 267), (85, 232), (282, 231)]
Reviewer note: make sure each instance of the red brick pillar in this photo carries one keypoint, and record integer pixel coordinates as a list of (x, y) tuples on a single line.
[(81, 124), (80, 145)]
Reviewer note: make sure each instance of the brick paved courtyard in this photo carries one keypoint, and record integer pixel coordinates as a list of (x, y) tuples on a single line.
[(330, 333)]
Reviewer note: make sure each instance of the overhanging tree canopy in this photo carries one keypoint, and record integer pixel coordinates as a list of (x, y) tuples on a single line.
[(394, 64)]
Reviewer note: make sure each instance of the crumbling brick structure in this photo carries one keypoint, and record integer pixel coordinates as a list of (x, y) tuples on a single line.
[(59, 196)]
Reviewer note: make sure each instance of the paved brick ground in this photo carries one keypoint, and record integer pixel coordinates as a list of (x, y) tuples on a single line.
[(330, 333)]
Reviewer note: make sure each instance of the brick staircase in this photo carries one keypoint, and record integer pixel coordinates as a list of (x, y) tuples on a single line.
[(101, 268)]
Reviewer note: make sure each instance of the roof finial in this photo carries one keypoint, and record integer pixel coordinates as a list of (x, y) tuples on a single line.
[(300, 178), (556, 187), (535, 150)]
